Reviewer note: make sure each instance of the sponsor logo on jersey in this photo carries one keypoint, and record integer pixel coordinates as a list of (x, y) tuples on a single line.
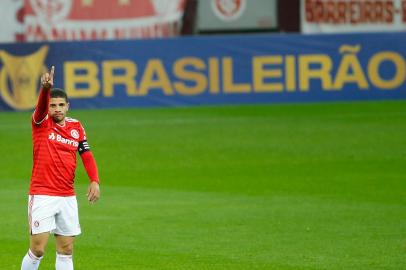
[(63, 140), (51, 136)]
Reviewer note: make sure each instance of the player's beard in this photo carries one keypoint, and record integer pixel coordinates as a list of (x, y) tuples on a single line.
[(58, 117)]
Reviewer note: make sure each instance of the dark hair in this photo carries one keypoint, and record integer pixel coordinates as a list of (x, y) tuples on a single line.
[(59, 93)]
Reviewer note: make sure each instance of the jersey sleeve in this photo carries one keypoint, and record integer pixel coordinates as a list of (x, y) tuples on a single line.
[(87, 157), (83, 144), (90, 166), (41, 110)]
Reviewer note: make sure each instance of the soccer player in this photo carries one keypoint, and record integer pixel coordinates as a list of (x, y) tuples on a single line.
[(52, 207)]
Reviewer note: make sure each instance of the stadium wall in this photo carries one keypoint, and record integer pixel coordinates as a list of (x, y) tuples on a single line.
[(209, 70)]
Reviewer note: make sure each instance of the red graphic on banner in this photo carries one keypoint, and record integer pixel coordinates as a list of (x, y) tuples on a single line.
[(228, 9), (108, 19)]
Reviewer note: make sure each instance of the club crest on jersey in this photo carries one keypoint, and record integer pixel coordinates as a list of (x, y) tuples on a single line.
[(74, 133), (63, 140)]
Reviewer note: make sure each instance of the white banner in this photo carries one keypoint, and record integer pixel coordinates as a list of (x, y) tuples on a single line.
[(343, 16), (59, 20), (11, 14)]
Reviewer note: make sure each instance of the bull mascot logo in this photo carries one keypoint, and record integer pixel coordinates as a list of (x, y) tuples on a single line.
[(22, 74), (51, 11)]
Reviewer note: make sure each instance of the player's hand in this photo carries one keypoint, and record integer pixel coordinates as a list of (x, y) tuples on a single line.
[(47, 79), (93, 192)]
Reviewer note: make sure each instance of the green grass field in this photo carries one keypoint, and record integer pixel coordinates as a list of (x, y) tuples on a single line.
[(315, 186)]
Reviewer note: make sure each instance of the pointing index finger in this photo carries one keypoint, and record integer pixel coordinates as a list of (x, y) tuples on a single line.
[(52, 71)]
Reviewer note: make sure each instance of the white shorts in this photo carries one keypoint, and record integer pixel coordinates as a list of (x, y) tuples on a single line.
[(54, 214)]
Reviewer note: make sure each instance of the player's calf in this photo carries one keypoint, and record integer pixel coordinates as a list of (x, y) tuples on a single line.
[(30, 261), (63, 262)]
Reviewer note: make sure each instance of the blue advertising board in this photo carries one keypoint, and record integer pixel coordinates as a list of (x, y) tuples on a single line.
[(208, 70)]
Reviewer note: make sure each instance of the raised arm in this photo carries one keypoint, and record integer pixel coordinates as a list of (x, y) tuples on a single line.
[(41, 111)]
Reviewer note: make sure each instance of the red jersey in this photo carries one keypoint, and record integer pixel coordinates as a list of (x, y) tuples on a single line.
[(54, 153)]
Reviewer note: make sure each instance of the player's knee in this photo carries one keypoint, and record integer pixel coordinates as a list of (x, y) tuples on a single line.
[(65, 249), (38, 251)]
